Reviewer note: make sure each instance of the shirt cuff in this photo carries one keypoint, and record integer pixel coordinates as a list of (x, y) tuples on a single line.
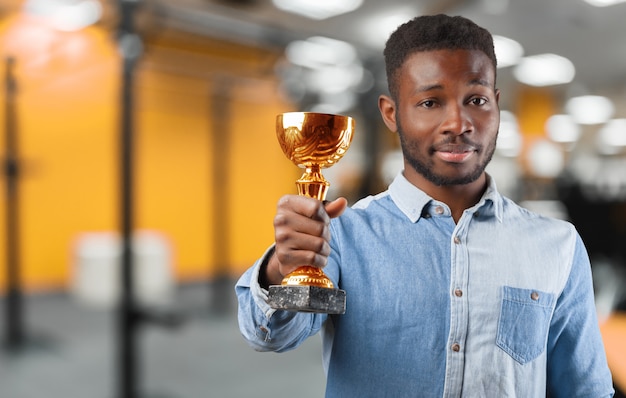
[(259, 294)]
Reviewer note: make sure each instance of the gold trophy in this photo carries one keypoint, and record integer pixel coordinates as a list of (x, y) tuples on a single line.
[(312, 141)]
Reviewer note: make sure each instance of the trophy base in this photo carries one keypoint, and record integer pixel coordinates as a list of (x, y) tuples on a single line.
[(307, 299)]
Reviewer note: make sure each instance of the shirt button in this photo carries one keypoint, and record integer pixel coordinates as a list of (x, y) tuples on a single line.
[(263, 329), (456, 347), (439, 210), (458, 292), (457, 240), (534, 296)]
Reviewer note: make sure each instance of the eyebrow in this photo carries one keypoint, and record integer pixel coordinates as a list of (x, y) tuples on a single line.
[(479, 82), (429, 87), (473, 82)]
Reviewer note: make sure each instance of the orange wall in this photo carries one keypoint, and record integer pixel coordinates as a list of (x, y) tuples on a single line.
[(533, 108), (68, 110)]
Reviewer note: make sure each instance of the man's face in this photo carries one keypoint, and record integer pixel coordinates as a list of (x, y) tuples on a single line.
[(446, 114)]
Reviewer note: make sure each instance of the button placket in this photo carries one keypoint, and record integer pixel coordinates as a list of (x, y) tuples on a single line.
[(458, 301)]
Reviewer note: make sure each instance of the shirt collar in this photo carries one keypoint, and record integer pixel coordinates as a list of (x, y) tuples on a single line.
[(491, 202), (411, 200)]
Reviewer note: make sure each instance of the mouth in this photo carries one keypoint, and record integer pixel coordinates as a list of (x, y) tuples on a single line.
[(455, 153)]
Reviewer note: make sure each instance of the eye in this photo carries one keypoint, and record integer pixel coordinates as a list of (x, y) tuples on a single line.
[(479, 101), (427, 104)]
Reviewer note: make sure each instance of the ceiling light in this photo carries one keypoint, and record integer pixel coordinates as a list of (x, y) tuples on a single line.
[(612, 136), (329, 66), (508, 51), (544, 70), (604, 3), (375, 30), (66, 15), (335, 79), (318, 9), (545, 159), (590, 109), (562, 128), (318, 51)]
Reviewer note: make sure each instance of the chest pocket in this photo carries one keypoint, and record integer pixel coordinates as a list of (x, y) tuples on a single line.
[(524, 322)]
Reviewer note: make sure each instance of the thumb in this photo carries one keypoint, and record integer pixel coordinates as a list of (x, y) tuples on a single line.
[(336, 207)]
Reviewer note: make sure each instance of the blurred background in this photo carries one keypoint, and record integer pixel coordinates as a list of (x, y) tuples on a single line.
[(141, 171)]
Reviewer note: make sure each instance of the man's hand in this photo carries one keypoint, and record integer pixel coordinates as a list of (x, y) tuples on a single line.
[(302, 234)]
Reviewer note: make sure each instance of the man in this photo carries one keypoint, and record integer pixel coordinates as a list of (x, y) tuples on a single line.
[(452, 289)]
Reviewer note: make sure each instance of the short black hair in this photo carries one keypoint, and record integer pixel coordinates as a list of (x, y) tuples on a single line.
[(433, 32)]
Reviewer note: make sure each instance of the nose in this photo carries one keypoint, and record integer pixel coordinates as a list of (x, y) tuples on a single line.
[(456, 120)]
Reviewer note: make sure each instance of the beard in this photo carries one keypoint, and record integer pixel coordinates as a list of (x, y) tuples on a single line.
[(425, 166)]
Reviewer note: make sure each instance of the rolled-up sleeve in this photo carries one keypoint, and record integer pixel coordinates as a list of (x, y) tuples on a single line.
[(265, 328)]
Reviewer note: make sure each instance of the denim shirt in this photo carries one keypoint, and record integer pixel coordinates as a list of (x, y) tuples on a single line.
[(499, 304)]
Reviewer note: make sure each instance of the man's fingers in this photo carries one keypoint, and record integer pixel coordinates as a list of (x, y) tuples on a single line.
[(288, 240), (336, 207), (302, 231), (292, 259), (305, 206)]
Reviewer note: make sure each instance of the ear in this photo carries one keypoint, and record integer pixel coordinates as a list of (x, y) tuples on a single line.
[(387, 107)]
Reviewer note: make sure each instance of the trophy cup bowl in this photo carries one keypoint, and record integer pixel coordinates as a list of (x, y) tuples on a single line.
[(312, 141)]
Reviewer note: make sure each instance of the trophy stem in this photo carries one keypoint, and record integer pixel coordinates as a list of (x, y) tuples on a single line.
[(312, 183)]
